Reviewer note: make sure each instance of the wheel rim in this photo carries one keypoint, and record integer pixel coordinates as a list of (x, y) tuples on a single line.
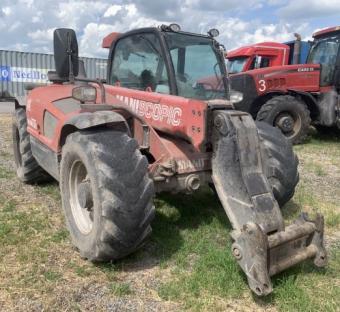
[(81, 197), (289, 123)]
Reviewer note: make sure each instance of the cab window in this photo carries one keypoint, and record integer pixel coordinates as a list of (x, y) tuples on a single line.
[(325, 52), (236, 65), (259, 62), (197, 67), (139, 64)]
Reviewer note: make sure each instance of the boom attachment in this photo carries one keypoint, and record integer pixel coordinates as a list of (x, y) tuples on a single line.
[(262, 246)]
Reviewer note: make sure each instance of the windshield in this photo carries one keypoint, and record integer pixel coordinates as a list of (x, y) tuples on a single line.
[(197, 67), (236, 65), (325, 52)]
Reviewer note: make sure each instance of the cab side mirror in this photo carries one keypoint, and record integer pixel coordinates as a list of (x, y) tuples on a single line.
[(65, 52)]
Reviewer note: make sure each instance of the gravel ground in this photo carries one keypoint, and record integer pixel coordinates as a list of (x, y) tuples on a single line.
[(6, 107)]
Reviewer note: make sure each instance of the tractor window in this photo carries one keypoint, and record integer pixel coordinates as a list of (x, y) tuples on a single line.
[(197, 66), (325, 52), (138, 64), (236, 65), (259, 62)]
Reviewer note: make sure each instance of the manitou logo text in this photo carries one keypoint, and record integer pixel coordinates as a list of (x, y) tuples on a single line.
[(158, 112)]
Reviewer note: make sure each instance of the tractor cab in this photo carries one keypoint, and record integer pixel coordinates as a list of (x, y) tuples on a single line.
[(325, 51), (166, 60), (260, 55)]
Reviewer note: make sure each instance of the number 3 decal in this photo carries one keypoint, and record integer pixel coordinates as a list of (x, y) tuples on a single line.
[(262, 84)]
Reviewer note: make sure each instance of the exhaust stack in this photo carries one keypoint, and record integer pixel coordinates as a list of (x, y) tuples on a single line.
[(297, 49)]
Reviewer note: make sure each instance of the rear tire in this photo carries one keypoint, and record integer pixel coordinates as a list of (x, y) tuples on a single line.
[(27, 168), (113, 218), (279, 161), (289, 114)]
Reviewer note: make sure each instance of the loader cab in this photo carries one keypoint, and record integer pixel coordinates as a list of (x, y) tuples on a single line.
[(325, 51), (165, 60)]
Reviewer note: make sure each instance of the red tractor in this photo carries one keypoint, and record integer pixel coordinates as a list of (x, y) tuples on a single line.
[(292, 97), (267, 54), (153, 127)]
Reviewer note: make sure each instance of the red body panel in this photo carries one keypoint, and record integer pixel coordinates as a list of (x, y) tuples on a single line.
[(165, 114), (107, 41), (303, 77), (40, 100)]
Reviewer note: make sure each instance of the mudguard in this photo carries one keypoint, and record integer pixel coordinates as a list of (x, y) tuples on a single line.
[(92, 119), (262, 245)]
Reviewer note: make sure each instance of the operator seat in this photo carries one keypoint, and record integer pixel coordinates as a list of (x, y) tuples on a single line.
[(147, 79)]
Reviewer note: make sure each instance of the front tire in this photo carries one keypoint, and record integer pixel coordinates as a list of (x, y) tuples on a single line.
[(107, 195), (289, 114), (279, 162)]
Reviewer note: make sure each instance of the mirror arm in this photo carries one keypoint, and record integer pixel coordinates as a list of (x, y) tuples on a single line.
[(69, 52)]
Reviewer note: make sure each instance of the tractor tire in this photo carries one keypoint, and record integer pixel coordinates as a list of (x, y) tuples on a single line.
[(289, 114), (279, 162), (107, 195), (27, 168)]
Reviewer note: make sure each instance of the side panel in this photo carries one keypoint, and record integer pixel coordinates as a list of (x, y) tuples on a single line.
[(258, 82), (281, 78), (41, 100), (165, 113), (46, 158)]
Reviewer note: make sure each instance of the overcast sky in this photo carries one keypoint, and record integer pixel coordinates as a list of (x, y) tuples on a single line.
[(27, 25)]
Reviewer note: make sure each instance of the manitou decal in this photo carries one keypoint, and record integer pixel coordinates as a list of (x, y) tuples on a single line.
[(158, 112)]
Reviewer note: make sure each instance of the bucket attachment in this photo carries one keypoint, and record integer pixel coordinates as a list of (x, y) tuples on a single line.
[(263, 246)]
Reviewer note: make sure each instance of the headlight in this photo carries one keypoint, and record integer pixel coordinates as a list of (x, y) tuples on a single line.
[(236, 96), (85, 94), (213, 32)]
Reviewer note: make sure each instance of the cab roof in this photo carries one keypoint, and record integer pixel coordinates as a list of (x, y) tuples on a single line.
[(249, 50), (326, 31), (112, 37)]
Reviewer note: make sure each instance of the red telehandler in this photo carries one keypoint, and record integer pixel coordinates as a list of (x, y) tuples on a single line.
[(152, 127), (292, 97)]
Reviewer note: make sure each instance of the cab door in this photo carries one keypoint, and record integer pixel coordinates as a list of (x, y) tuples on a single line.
[(139, 64)]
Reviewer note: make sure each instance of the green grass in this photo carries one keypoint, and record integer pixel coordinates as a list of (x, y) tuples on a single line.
[(5, 173), (193, 234), (120, 289), (51, 189), (316, 168), (52, 276), (17, 227)]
